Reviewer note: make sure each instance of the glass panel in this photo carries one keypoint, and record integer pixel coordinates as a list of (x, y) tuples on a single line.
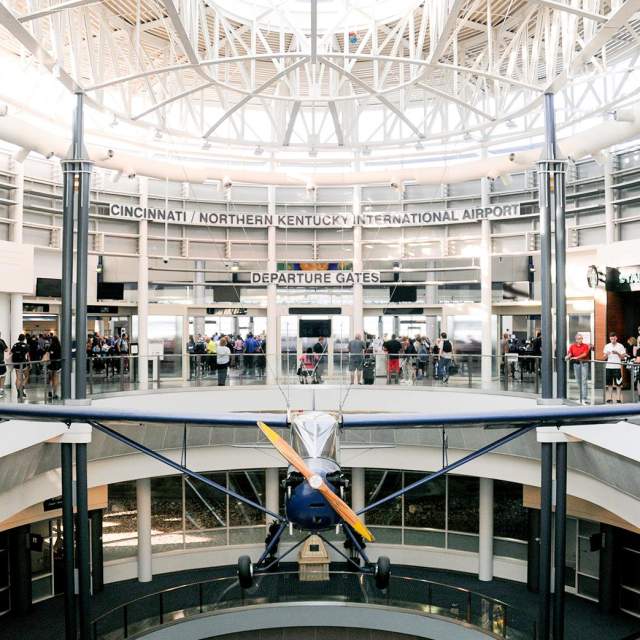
[(41, 560), (571, 552), (377, 485), (425, 506), (509, 516), (588, 586), (41, 588), (387, 535), (424, 537), (249, 484), (630, 568), (247, 535), (120, 521), (166, 512), (205, 507), (215, 538), (630, 601), (462, 542), (464, 498), (588, 561), (510, 548)]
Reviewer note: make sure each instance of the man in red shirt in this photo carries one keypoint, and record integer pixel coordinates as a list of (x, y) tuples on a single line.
[(578, 353)]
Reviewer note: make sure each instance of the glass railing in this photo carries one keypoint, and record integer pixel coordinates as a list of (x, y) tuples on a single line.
[(511, 373), (492, 617)]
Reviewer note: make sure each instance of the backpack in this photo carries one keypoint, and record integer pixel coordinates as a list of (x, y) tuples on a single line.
[(199, 347), (19, 352), (446, 347)]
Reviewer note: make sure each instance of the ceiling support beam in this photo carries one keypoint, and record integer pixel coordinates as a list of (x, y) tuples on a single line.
[(560, 6), (71, 4), (292, 120), (336, 123)]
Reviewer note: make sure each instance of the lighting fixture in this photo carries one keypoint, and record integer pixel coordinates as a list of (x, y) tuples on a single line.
[(157, 134), (396, 266), (4, 109), (206, 145), (259, 151), (235, 266), (115, 122), (511, 124), (313, 152), (366, 151), (419, 145)]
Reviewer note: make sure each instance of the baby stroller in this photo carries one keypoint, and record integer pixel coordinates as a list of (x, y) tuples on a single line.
[(307, 368)]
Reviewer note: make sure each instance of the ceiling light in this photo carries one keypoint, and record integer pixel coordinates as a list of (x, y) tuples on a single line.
[(157, 134), (419, 145), (115, 122), (396, 266), (259, 151), (4, 109), (313, 152), (206, 145), (467, 136), (235, 266), (366, 151), (511, 124)]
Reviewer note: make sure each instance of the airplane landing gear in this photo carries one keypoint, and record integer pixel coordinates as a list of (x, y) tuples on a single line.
[(245, 571), (382, 572)]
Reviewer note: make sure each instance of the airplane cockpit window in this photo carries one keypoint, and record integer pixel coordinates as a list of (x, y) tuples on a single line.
[(315, 435)]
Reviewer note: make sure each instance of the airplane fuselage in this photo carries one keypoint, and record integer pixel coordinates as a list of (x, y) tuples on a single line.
[(306, 507)]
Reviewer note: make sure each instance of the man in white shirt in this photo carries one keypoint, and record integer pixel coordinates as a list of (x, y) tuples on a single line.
[(222, 361), (614, 353)]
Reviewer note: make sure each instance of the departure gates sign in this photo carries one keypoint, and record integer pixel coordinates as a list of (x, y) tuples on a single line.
[(314, 220)]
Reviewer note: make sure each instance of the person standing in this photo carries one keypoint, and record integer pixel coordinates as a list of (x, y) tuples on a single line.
[(614, 353), (20, 360), (250, 349), (212, 348), (445, 355), (356, 358), (222, 361), (578, 353), (55, 365), (320, 351), (3, 367), (393, 348)]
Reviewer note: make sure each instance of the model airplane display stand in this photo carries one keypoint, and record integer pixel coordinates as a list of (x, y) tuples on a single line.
[(313, 560)]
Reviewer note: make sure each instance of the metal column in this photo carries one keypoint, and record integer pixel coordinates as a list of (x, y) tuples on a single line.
[(82, 543), (560, 540), (66, 455), (82, 185), (544, 598), (561, 295), (546, 198)]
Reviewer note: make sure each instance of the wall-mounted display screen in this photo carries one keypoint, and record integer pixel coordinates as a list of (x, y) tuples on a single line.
[(48, 288), (403, 294), (315, 328), (110, 290)]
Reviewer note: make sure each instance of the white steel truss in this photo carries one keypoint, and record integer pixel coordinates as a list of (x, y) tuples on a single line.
[(443, 71)]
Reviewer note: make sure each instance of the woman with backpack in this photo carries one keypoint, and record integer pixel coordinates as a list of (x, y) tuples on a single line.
[(445, 357)]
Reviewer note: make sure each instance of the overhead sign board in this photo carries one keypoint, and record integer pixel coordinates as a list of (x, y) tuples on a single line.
[(315, 220), (315, 278)]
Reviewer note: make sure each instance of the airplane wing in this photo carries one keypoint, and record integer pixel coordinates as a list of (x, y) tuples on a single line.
[(71, 413), (557, 416)]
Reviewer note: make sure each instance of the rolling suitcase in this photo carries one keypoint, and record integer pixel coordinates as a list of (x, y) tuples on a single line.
[(369, 371)]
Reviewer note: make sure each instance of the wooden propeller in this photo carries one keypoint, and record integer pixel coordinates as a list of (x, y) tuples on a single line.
[(316, 482)]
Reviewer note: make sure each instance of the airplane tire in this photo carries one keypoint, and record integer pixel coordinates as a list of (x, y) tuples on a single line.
[(383, 571), (245, 571)]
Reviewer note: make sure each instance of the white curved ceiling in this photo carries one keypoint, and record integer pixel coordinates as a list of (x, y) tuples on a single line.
[(325, 77)]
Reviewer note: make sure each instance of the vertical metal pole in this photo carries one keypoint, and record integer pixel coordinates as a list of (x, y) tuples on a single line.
[(545, 187), (544, 598), (66, 335), (561, 297), (66, 455), (560, 540), (84, 577), (82, 186)]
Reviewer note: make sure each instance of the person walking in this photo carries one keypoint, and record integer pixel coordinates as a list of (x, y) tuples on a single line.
[(356, 358), (20, 360), (4, 349), (614, 354), (320, 351), (578, 353), (222, 361), (445, 356)]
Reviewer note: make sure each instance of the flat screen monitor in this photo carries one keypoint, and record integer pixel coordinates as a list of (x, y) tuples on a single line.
[(48, 288), (315, 328), (110, 290), (403, 294)]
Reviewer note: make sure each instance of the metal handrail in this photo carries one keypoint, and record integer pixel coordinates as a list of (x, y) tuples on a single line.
[(121, 611)]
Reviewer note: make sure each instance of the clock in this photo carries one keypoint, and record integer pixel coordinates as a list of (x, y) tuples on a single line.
[(593, 277)]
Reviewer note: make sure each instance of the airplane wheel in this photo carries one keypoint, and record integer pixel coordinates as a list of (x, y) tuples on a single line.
[(383, 571), (245, 571)]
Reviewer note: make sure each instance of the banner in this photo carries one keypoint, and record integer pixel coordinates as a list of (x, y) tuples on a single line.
[(315, 278), (315, 220)]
